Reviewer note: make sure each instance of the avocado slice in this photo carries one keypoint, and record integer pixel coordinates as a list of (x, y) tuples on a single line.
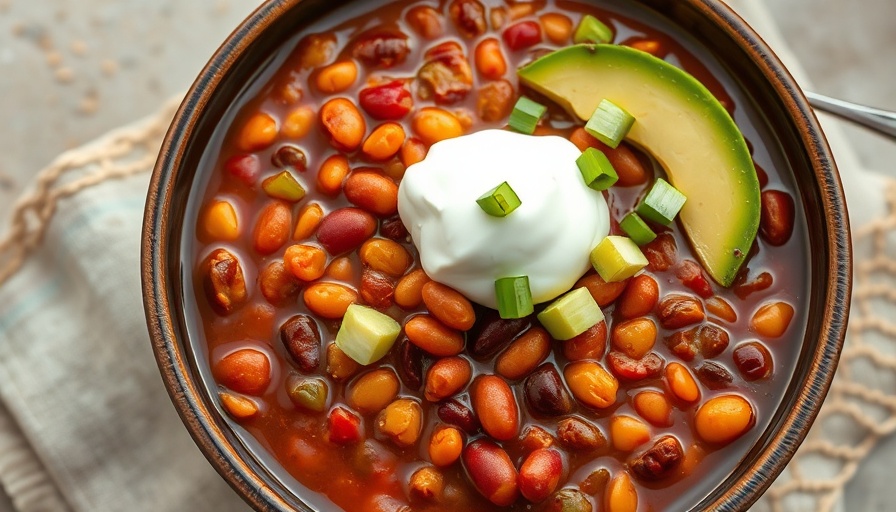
[(681, 124)]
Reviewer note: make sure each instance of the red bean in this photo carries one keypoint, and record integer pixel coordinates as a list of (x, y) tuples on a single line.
[(691, 275), (753, 360), (545, 393), (630, 369), (661, 253), (245, 168), (344, 427), (345, 229), (496, 407), (776, 220), (492, 472), (522, 35), (381, 48), (495, 333), (301, 338), (540, 474), (245, 371), (455, 413), (469, 17), (389, 101)]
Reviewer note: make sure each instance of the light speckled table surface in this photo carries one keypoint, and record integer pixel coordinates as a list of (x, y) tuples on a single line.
[(70, 71)]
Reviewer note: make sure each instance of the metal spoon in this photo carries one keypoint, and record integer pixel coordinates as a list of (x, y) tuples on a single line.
[(881, 121)]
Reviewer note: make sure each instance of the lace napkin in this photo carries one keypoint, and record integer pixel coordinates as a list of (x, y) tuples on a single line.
[(86, 425)]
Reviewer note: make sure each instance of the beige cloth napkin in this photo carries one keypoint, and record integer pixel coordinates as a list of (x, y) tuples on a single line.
[(85, 423)]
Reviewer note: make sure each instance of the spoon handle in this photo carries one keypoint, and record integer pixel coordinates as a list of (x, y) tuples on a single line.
[(881, 121)]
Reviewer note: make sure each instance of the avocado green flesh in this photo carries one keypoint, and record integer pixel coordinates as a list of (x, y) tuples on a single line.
[(681, 124)]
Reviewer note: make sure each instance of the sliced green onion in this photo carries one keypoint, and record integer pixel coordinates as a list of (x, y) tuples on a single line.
[(571, 314), (609, 123), (596, 169), (592, 30), (662, 203), (638, 230), (514, 297), (525, 115), (617, 258), (499, 201), (366, 334), (283, 186)]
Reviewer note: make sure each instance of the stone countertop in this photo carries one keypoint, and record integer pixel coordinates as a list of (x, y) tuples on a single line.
[(70, 71)]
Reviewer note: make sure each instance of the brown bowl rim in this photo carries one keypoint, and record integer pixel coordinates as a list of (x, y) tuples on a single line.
[(248, 480)]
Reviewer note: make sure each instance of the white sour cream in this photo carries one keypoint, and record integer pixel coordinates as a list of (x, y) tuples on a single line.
[(548, 238)]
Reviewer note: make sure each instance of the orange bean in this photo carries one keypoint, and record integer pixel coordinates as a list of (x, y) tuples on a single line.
[(720, 308), (339, 365), (604, 293), (425, 20), (329, 300), (449, 306), (343, 123), (494, 404), (524, 354), (681, 382), (220, 222), (272, 227), (386, 256), (651, 46), (298, 122), (557, 27), (427, 484), (372, 191), (772, 319), (628, 433), (723, 419), (445, 446), (384, 141), (309, 218), (639, 297), (246, 371), (433, 336), (489, 59), (653, 407), (336, 77), (238, 406), (591, 344), (635, 338), (591, 384), (432, 124), (447, 377), (412, 151), (373, 391), (306, 262), (401, 421), (409, 290), (257, 133), (621, 495), (331, 175), (341, 269)]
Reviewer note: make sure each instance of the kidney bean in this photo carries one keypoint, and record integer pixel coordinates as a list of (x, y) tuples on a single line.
[(277, 284), (534, 438), (258, 132), (343, 124), (591, 384), (315, 50), (604, 293), (389, 101), (468, 16), (681, 382), (434, 124), (494, 333), (345, 229), (290, 156), (372, 391), (723, 419), (713, 340), (377, 289), (246, 371), (753, 360), (621, 495), (659, 461), (591, 344), (445, 75), (557, 27), (661, 253), (540, 474), (720, 308), (447, 377), (239, 407), (410, 364), (449, 306), (339, 365), (409, 291), (545, 393), (445, 446), (329, 300), (651, 46), (630, 369), (385, 256), (224, 283), (383, 143), (524, 354), (713, 375), (393, 229), (425, 20), (413, 151), (495, 101), (298, 122), (596, 482), (455, 413), (639, 297), (306, 262), (336, 77), (340, 269), (380, 48), (777, 217), (495, 406), (309, 218), (372, 191), (772, 319), (634, 338), (683, 343), (568, 500), (490, 60), (426, 484), (676, 310), (272, 227), (522, 35), (691, 275), (433, 336), (579, 435), (743, 288), (491, 471), (401, 421), (344, 427), (628, 433), (301, 339), (243, 167), (653, 407), (307, 393), (331, 174)]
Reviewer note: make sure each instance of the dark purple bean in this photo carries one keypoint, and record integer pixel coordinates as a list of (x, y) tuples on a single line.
[(381, 48), (453, 412), (714, 376), (545, 393), (410, 364), (494, 333), (753, 360), (301, 338), (393, 229), (290, 156), (713, 340), (659, 460), (683, 343), (579, 435), (225, 285)]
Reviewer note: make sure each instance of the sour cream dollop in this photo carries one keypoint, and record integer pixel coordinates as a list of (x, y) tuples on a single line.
[(548, 238)]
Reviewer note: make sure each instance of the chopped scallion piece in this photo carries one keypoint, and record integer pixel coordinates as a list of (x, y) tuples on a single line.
[(662, 203), (366, 335), (525, 115), (635, 227), (499, 201), (571, 314), (616, 258), (596, 169), (592, 30), (514, 297), (609, 123), (283, 186)]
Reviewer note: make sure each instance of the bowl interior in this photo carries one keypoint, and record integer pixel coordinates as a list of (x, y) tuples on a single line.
[(789, 137)]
